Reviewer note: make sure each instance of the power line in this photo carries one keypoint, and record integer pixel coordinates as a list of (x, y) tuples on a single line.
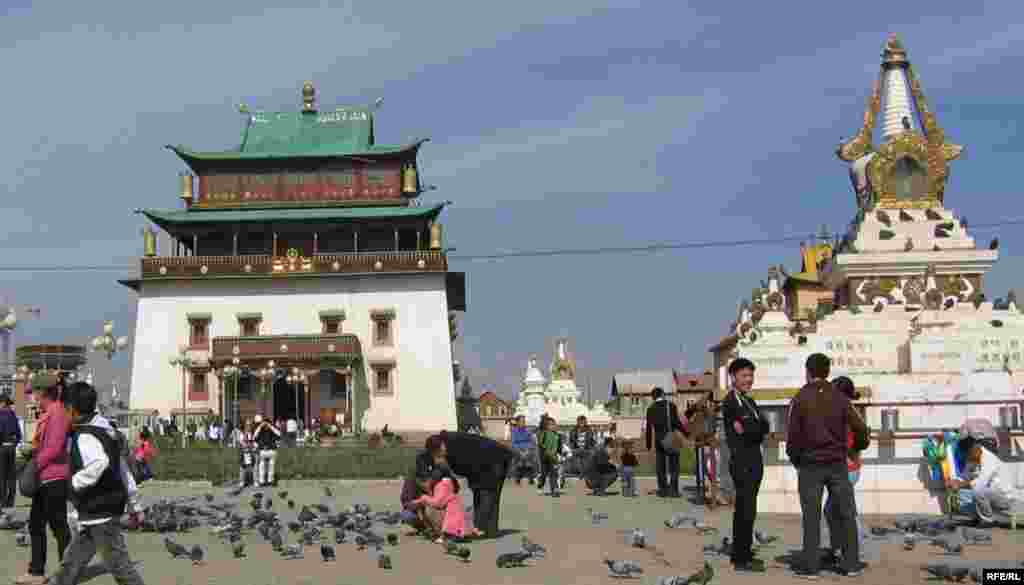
[(657, 247)]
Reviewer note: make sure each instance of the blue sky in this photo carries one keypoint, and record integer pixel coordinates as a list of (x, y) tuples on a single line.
[(553, 125)]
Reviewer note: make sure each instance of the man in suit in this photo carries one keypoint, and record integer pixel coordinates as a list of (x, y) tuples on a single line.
[(745, 430), (485, 464), (662, 418)]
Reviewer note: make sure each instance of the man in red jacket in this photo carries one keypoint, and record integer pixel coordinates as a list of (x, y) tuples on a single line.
[(820, 418)]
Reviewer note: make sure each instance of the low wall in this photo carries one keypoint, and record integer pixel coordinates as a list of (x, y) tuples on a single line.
[(894, 480)]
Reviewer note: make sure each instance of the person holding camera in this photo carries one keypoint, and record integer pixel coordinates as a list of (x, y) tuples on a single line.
[(267, 439)]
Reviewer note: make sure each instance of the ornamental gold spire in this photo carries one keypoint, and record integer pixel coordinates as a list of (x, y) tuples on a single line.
[(909, 167), (308, 97)]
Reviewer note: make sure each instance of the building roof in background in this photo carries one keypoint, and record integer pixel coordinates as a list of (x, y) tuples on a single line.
[(642, 382), (694, 382)]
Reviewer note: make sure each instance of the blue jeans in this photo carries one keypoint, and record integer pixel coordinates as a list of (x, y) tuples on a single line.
[(854, 478), (628, 481)]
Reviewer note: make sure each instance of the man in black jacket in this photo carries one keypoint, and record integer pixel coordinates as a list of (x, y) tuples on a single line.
[(745, 430), (484, 463), (267, 438), (662, 418), (10, 436)]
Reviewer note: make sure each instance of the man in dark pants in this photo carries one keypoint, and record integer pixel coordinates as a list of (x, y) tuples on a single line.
[(745, 429), (10, 436), (820, 420), (485, 464), (662, 418)]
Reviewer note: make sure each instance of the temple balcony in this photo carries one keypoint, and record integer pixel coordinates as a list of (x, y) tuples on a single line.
[(265, 265)]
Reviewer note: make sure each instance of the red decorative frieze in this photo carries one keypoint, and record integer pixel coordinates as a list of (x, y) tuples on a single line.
[(200, 267)]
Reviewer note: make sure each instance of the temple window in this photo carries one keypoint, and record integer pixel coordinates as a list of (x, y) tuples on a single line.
[(198, 331), (249, 324), (383, 379), (383, 333), (197, 390)]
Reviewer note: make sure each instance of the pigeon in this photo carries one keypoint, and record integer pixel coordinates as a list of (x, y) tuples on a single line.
[(975, 535), (724, 549), (293, 551), (764, 539), (327, 553), (624, 569), (909, 245), (339, 536), (909, 542), (22, 539), (637, 538), (392, 539), (680, 520), (884, 218), (884, 531), (513, 559), (238, 550), (703, 576), (268, 504), (906, 123), (994, 244), (208, 497), (946, 572), (294, 526), (904, 216), (283, 495), (932, 215), (597, 517), (535, 550), (276, 542), (704, 529), (196, 554), (175, 549), (384, 561), (949, 546), (305, 515)]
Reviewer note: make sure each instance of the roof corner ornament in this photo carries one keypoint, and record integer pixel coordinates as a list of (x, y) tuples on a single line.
[(860, 145), (308, 98)]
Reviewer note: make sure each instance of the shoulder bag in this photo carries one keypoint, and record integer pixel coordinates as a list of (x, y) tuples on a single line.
[(673, 440)]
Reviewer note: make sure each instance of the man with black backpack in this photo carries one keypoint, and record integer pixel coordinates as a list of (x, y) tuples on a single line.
[(101, 490)]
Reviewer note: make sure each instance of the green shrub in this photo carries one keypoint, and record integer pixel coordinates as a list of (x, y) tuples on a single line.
[(213, 462)]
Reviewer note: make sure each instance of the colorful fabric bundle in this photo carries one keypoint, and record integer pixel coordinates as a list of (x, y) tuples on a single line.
[(943, 457)]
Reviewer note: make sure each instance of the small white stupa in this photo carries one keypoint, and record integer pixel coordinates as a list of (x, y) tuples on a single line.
[(559, 398)]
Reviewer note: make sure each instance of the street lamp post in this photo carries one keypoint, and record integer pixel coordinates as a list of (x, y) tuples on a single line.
[(183, 361), (107, 343), (297, 378), (230, 373)]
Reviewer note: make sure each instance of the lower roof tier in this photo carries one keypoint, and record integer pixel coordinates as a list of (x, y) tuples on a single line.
[(171, 218)]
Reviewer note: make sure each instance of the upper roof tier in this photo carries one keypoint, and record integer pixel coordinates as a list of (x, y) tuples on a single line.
[(909, 167), (346, 131)]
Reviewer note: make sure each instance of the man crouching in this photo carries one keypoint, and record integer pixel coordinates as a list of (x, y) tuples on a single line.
[(102, 488)]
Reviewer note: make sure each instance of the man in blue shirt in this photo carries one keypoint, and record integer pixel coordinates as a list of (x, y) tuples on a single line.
[(10, 436)]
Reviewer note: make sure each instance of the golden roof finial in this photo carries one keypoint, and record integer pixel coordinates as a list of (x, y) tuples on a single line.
[(308, 97), (894, 54)]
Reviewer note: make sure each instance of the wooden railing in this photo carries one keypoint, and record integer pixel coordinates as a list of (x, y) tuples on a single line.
[(199, 267)]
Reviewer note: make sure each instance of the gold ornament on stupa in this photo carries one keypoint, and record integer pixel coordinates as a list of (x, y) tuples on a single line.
[(186, 187), (308, 97), (149, 242), (410, 181), (436, 236)]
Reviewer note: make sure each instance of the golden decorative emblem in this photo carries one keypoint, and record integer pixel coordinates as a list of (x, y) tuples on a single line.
[(292, 262)]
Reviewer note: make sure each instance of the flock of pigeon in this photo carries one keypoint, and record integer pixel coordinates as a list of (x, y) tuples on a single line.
[(291, 529)]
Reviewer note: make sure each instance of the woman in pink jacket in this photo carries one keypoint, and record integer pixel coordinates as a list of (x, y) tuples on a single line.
[(50, 502), (444, 495)]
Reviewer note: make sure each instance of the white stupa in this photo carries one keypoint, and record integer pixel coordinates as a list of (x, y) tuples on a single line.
[(559, 398)]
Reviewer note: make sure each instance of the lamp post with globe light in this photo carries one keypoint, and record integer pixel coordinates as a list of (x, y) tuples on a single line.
[(297, 378), (230, 373), (264, 376), (184, 361), (107, 342)]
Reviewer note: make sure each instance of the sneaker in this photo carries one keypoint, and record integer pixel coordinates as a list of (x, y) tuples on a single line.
[(856, 571), (29, 579), (805, 573)]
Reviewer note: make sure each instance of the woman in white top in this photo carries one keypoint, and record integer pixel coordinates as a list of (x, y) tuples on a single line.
[(997, 485)]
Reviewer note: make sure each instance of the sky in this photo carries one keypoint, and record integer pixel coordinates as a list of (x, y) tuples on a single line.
[(553, 125)]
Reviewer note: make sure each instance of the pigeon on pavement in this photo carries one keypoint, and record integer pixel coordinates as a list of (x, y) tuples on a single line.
[(513, 559), (975, 535), (238, 550), (946, 572), (196, 554), (536, 551), (624, 569), (175, 549), (637, 538), (384, 561), (327, 552)]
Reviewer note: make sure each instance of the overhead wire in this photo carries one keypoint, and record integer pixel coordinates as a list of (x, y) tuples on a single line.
[(647, 248)]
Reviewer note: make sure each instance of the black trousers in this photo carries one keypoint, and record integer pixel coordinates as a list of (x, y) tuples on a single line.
[(8, 476), (487, 504), (49, 507), (811, 483), (666, 466), (747, 471)]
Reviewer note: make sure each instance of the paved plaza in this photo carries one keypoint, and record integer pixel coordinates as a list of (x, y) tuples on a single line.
[(576, 546)]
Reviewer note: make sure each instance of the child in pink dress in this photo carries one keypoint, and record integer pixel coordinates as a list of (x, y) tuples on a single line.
[(444, 495)]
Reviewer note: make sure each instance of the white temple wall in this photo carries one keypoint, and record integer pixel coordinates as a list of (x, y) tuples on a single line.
[(423, 397)]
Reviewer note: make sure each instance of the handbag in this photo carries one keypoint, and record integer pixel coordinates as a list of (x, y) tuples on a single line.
[(673, 441), (28, 480)]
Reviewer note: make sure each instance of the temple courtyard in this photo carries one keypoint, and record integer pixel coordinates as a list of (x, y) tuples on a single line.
[(575, 545)]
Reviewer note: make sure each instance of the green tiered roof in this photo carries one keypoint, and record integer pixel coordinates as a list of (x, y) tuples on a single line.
[(342, 132), (169, 218)]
